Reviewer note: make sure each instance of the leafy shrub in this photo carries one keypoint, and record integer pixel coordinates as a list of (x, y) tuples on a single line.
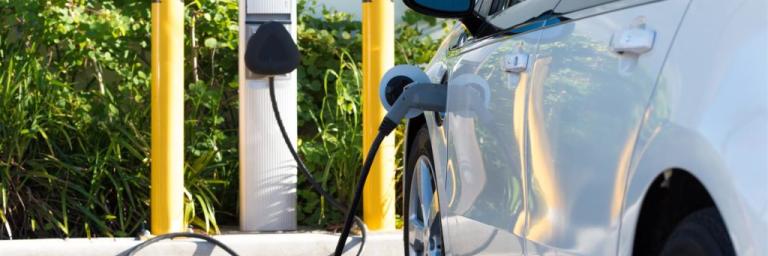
[(74, 113)]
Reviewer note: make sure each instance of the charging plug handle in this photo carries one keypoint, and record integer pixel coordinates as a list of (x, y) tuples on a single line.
[(416, 96)]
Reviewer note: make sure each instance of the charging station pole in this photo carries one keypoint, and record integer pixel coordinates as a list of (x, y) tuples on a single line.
[(378, 57), (267, 169)]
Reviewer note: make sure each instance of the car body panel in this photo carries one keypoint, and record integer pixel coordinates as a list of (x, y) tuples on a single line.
[(484, 185), (709, 117), (586, 107)]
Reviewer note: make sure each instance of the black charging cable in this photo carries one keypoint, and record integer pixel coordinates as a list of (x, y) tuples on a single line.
[(387, 126), (159, 238), (360, 184), (311, 178)]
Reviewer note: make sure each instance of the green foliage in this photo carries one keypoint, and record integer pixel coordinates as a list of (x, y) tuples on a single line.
[(330, 77), (74, 113), (412, 46), (73, 142)]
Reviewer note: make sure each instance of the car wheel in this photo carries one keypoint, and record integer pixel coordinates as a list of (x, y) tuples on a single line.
[(422, 229), (700, 233)]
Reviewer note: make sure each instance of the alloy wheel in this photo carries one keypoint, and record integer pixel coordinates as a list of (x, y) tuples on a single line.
[(425, 236)]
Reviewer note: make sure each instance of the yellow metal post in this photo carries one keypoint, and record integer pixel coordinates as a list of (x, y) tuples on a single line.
[(378, 57), (167, 153)]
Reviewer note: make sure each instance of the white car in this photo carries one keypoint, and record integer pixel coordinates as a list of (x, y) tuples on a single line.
[(593, 127)]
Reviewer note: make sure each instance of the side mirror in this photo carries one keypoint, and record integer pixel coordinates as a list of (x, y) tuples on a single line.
[(271, 51), (443, 8)]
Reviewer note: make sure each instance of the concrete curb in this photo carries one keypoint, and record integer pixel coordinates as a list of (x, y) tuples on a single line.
[(388, 243)]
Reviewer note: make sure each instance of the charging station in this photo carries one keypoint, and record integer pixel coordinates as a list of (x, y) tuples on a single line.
[(267, 169)]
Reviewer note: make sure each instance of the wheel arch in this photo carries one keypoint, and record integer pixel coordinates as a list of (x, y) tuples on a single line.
[(677, 158), (673, 195), (412, 126)]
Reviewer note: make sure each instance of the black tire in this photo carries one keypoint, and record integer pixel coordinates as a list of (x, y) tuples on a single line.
[(701, 233), (420, 146)]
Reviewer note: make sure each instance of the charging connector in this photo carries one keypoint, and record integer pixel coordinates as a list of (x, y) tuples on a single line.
[(416, 96)]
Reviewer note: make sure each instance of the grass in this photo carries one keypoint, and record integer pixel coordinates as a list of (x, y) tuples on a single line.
[(75, 162), (61, 165), (334, 151)]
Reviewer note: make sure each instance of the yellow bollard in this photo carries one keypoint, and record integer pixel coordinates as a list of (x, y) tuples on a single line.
[(378, 56), (167, 152)]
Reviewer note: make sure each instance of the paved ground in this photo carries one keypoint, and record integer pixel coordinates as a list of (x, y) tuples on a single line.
[(389, 243)]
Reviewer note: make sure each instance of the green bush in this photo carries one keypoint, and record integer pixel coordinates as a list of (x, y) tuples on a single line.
[(74, 113)]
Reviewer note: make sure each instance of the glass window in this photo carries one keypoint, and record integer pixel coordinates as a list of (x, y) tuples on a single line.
[(513, 2), (511, 13), (567, 6), (500, 5)]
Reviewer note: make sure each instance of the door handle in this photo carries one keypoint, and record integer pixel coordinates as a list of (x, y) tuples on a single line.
[(635, 41), (516, 63)]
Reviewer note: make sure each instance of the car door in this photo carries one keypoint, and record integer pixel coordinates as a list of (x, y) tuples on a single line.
[(484, 192), (592, 79)]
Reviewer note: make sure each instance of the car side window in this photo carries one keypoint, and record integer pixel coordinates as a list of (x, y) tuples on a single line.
[(496, 6), (511, 13), (567, 6)]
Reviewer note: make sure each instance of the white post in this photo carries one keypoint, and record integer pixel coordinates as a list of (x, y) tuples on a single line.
[(267, 170)]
